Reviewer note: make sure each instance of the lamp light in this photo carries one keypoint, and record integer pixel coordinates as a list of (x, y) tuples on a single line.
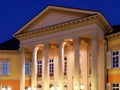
[(35, 88), (82, 87), (9, 88), (58, 88), (52, 88), (3, 88), (29, 88), (75, 87)]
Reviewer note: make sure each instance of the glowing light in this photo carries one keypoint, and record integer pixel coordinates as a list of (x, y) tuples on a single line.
[(9, 88), (82, 87), (3, 88), (35, 88), (29, 88), (52, 88), (58, 88), (75, 87)]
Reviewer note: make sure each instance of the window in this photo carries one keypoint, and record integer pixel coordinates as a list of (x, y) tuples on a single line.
[(115, 59), (115, 86), (51, 67), (6, 87), (39, 72), (65, 66), (27, 68), (5, 68)]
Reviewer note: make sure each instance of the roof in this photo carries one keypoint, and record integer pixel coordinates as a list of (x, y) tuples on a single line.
[(12, 44), (116, 29), (41, 24)]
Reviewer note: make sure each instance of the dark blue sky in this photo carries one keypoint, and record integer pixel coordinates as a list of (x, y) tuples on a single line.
[(16, 13)]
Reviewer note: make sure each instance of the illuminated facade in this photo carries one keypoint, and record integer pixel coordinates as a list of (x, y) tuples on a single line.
[(62, 49)]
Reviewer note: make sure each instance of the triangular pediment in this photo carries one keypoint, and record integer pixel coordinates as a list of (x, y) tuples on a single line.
[(53, 15)]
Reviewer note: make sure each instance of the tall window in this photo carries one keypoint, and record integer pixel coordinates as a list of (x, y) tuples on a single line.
[(5, 68), (51, 67), (65, 66), (39, 72), (115, 59), (27, 68), (115, 86)]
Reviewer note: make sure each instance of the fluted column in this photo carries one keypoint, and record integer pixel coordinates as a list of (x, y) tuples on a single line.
[(94, 63), (46, 70), (76, 42), (60, 65), (22, 70), (34, 68)]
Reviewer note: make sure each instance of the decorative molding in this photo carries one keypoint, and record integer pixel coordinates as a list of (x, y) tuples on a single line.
[(96, 18), (9, 51), (113, 36)]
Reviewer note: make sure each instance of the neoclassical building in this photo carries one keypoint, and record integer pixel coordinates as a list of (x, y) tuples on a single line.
[(62, 49)]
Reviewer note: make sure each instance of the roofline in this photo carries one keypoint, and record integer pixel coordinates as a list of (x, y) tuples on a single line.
[(54, 7)]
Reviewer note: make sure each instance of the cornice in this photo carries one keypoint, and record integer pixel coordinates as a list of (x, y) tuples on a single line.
[(114, 71), (9, 51), (96, 18), (113, 36)]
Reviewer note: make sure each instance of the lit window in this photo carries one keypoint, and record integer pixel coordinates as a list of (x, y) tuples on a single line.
[(27, 68), (115, 86), (115, 59), (6, 88), (39, 69), (65, 66), (51, 67), (5, 68)]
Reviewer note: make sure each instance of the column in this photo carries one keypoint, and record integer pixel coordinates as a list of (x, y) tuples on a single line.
[(34, 68), (101, 66), (94, 63), (76, 64), (84, 64), (60, 65), (46, 68), (22, 70)]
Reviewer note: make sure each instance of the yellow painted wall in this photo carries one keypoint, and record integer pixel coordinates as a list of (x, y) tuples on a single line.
[(12, 80), (14, 59), (113, 74)]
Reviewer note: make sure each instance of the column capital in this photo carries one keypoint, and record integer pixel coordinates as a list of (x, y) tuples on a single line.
[(61, 43), (76, 40), (46, 45)]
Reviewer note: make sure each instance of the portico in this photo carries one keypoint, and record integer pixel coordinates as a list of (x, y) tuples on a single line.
[(70, 51)]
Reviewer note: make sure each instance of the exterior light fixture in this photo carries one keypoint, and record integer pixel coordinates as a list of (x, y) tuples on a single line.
[(9, 88), (29, 88), (75, 87), (35, 88), (51, 88), (82, 87), (58, 88), (3, 88)]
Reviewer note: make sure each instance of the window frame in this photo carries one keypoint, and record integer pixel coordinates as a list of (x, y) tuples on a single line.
[(39, 68), (115, 59), (29, 68), (51, 67), (115, 86), (6, 68), (65, 66)]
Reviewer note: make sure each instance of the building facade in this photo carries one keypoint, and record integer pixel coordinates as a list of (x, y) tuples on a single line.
[(63, 49)]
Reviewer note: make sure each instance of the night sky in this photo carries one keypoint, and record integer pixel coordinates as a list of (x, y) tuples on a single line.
[(16, 13)]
